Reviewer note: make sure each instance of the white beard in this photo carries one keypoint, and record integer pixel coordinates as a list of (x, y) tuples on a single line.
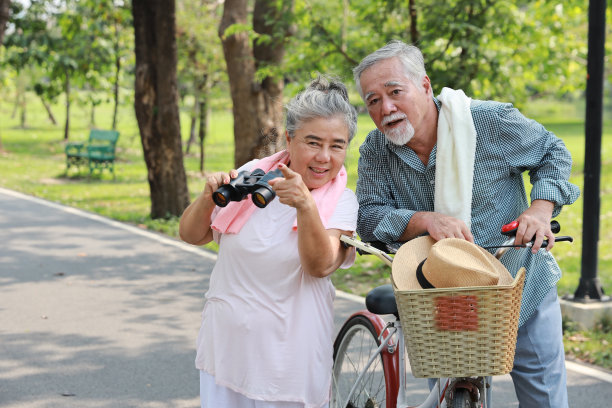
[(401, 135)]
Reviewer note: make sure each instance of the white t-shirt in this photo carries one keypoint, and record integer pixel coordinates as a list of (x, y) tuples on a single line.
[(267, 326)]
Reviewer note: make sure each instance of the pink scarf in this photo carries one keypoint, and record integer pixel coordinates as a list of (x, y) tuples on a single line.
[(231, 218)]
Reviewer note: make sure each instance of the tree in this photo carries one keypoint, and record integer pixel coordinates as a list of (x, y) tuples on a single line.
[(4, 17), (489, 48), (27, 50), (156, 105), (59, 46), (82, 51), (200, 62), (253, 57), (110, 22)]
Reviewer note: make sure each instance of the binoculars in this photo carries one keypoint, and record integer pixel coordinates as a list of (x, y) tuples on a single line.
[(254, 183)]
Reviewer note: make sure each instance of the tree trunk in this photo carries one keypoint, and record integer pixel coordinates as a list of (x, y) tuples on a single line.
[(156, 105), (17, 98), (414, 32), (92, 116), (67, 92), (4, 17), (257, 106), (203, 124), (192, 124), (117, 76), (48, 109), (23, 105)]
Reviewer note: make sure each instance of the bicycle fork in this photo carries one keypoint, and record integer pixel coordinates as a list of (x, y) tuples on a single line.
[(435, 397)]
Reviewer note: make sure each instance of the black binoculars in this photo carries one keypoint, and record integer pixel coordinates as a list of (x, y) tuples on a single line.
[(254, 183)]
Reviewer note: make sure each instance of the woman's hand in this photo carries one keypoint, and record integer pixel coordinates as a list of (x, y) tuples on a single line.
[(216, 180), (194, 226), (291, 190), (321, 252)]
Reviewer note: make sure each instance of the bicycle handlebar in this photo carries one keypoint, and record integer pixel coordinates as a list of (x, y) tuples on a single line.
[(382, 250), (510, 229)]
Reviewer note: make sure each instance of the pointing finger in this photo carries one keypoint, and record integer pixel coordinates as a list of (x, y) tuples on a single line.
[(287, 172)]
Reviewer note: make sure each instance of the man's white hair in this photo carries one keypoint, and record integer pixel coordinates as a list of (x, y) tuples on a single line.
[(409, 55)]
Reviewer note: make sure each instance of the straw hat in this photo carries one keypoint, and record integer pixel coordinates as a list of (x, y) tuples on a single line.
[(423, 263)]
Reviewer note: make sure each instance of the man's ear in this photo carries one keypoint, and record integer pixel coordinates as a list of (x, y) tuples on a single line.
[(426, 84)]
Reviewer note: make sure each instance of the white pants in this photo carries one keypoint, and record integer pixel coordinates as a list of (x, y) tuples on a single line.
[(217, 396)]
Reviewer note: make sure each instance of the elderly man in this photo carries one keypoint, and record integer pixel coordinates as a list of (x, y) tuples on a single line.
[(450, 166)]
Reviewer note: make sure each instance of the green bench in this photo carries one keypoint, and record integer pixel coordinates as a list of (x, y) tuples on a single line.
[(98, 153)]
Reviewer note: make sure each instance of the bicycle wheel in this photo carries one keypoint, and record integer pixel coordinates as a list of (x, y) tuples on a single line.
[(462, 399), (355, 344)]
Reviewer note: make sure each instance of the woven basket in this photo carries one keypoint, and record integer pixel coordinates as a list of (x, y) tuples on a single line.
[(461, 332)]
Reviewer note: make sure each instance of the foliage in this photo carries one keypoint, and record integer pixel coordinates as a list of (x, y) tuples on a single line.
[(199, 48), (490, 48), (70, 43)]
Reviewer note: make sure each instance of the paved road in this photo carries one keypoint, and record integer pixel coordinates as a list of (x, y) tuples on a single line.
[(96, 313)]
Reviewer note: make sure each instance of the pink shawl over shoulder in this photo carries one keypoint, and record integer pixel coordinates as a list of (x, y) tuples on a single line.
[(231, 218)]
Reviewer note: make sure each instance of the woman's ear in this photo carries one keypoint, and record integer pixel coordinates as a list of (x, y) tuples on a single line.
[(287, 137)]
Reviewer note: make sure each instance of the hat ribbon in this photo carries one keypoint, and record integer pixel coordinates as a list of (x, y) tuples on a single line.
[(425, 284)]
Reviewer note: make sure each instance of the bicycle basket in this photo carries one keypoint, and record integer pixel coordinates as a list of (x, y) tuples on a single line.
[(461, 332)]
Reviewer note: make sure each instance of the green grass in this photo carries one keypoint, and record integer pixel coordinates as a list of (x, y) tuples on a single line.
[(590, 346), (33, 162)]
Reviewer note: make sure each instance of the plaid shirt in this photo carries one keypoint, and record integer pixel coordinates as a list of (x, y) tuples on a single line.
[(393, 184)]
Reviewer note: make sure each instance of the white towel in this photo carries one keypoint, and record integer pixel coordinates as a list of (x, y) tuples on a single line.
[(455, 156)]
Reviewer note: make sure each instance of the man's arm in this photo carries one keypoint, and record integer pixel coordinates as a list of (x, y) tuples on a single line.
[(379, 218), (381, 215), (544, 155), (529, 146)]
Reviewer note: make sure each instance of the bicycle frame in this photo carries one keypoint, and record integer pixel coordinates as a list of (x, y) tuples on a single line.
[(387, 348), (394, 363)]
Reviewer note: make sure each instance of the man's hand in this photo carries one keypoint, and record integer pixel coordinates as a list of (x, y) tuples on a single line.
[(535, 223), (439, 226), (443, 226)]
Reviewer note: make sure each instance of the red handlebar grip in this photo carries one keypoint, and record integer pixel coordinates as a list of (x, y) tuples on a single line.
[(511, 226)]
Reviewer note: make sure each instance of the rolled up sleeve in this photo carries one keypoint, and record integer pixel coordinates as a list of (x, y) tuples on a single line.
[(531, 147)]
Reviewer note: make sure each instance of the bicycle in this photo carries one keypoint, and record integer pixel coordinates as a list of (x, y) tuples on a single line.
[(369, 368)]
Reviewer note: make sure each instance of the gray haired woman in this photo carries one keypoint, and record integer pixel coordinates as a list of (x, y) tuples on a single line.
[(267, 325)]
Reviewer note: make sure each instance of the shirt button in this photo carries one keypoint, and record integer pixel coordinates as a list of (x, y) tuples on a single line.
[(432, 181)]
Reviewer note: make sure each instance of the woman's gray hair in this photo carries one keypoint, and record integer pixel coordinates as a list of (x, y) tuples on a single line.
[(324, 98), (409, 55)]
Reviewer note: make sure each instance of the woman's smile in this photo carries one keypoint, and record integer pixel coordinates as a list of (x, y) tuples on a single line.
[(318, 149)]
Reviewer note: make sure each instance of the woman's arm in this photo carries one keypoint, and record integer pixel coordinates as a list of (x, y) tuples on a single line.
[(321, 251), (194, 226)]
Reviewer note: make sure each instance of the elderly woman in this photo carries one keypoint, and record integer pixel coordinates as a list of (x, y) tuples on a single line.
[(267, 325)]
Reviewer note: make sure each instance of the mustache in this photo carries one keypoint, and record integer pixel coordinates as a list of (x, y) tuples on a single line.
[(393, 117)]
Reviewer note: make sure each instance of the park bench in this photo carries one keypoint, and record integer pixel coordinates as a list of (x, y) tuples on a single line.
[(98, 152)]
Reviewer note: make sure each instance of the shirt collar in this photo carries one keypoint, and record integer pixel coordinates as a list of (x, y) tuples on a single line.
[(437, 102)]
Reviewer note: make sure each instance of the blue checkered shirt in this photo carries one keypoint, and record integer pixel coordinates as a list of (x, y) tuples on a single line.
[(393, 184)]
